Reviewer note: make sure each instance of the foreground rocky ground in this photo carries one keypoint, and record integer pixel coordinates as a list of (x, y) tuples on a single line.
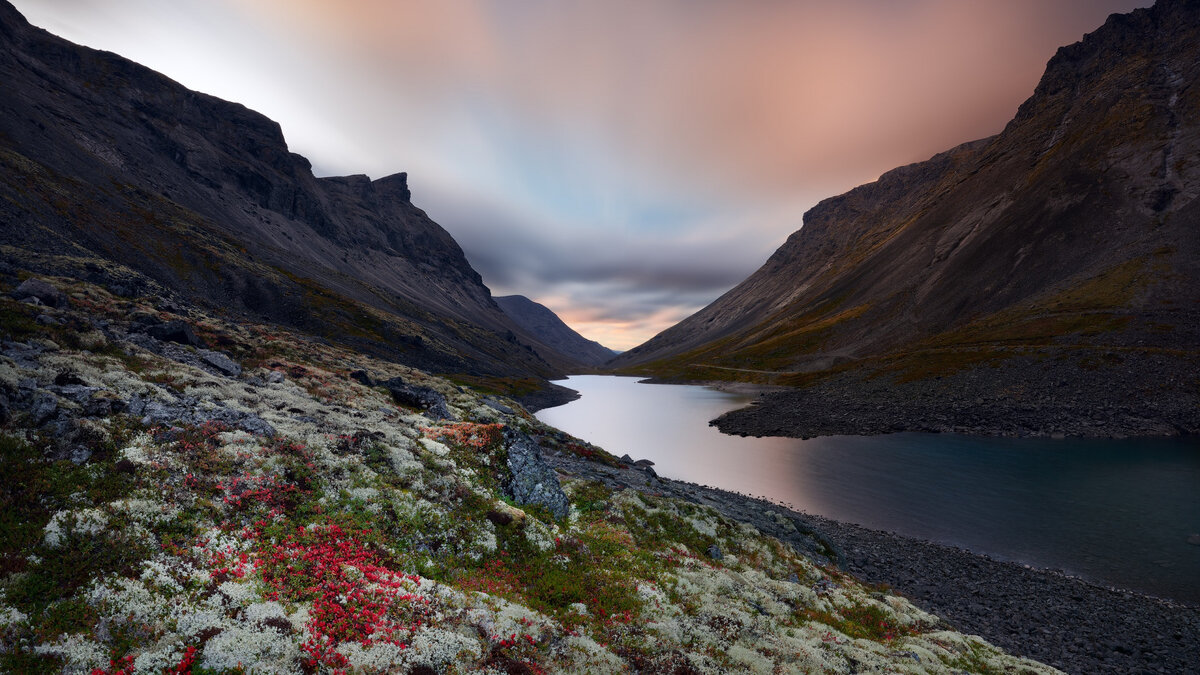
[(1101, 393), (183, 494), (1066, 622)]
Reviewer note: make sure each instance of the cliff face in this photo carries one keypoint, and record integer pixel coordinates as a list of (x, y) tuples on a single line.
[(1077, 225), (544, 325), (103, 157)]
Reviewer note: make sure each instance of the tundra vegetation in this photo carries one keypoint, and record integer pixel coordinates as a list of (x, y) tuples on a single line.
[(275, 509)]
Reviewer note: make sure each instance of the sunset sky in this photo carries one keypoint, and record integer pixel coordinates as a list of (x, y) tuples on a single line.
[(623, 162)]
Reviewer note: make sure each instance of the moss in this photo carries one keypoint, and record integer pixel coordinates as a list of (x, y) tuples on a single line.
[(861, 620), (35, 487), (635, 563)]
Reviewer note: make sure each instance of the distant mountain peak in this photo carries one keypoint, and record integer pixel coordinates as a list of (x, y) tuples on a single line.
[(542, 323)]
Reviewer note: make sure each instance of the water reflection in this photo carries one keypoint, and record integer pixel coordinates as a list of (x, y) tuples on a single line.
[(1118, 512)]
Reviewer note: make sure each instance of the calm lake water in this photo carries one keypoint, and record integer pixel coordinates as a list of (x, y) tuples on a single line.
[(1115, 512)]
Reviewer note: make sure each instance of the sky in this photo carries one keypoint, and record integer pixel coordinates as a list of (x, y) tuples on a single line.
[(623, 162)]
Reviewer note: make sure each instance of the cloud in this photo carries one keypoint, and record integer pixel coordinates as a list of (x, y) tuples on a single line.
[(625, 286)]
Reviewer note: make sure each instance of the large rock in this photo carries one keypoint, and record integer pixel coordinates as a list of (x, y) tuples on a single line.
[(175, 331), (416, 396), (45, 292), (533, 481), (190, 411), (220, 362)]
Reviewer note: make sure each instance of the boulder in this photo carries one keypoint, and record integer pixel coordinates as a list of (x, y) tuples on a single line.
[(220, 362), (175, 331), (416, 396), (44, 408), (45, 293), (532, 480), (504, 514)]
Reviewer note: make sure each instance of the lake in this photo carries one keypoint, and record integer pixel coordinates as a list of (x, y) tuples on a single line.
[(1117, 512)]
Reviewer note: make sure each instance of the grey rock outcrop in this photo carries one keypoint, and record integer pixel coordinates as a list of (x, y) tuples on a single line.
[(189, 410), (175, 331), (533, 481), (45, 292)]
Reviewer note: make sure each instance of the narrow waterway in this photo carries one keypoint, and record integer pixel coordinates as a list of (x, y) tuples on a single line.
[(1118, 512)]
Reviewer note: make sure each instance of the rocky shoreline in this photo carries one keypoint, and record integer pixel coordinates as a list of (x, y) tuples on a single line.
[(1066, 622), (1131, 394), (549, 396)]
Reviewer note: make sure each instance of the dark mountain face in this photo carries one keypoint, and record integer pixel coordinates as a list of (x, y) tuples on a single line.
[(102, 158), (544, 325), (1076, 227)]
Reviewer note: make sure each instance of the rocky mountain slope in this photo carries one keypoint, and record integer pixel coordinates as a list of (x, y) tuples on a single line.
[(539, 321), (1070, 240), (186, 494), (102, 157)]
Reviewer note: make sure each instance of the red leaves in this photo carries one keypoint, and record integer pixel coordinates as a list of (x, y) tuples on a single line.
[(121, 666), (243, 491), (468, 434), (184, 667), (354, 597)]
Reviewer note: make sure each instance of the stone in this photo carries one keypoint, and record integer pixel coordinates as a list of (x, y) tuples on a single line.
[(79, 393), (498, 406), (44, 407), (505, 514), (714, 552), (221, 362), (532, 480), (68, 377), (188, 412), (103, 404), (44, 292), (626, 459), (175, 331), (46, 320), (275, 377), (416, 396)]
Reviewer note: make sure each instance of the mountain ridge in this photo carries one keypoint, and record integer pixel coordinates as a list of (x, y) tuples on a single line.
[(106, 159), (1069, 236)]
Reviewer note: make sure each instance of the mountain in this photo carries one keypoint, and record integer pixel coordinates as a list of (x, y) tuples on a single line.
[(114, 172), (1070, 239), (543, 324)]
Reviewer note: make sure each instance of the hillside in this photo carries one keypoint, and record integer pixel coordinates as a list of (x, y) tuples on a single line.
[(542, 323), (102, 159), (292, 506), (1044, 262)]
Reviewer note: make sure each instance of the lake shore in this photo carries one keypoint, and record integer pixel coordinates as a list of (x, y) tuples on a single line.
[(1066, 622), (1024, 396)]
